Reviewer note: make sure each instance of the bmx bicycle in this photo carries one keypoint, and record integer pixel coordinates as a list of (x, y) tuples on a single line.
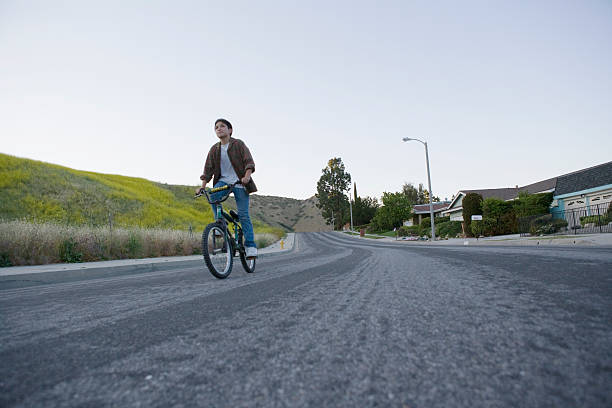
[(220, 244)]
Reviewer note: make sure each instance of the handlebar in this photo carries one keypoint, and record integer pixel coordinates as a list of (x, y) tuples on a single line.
[(208, 192)]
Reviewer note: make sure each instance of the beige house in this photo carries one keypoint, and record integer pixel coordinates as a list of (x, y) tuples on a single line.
[(455, 209), (420, 211)]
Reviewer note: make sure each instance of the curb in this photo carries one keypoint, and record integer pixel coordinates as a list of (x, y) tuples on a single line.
[(582, 241), (117, 266), (291, 247)]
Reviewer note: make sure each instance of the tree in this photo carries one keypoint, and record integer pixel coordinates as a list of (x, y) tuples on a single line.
[(364, 210), (331, 188), (417, 196), (498, 217), (532, 204), (472, 205), (396, 208)]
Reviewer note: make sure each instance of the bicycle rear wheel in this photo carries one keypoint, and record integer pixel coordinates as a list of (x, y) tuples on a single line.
[(218, 254)]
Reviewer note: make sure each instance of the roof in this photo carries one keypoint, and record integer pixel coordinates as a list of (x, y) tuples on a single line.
[(595, 176), (543, 186), (424, 208), (510, 193), (501, 193)]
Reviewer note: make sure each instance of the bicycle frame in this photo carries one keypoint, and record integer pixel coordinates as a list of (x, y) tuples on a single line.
[(222, 216)]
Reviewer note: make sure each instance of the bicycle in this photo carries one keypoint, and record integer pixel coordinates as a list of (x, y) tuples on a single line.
[(219, 244)]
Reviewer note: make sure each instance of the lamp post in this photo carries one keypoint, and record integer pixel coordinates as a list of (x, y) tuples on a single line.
[(351, 208), (431, 213)]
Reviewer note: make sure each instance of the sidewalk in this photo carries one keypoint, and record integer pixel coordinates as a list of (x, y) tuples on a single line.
[(272, 250), (592, 240)]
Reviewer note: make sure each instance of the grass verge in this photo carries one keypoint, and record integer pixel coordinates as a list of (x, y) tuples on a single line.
[(29, 243)]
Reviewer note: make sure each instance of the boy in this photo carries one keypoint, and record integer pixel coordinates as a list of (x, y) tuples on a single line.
[(229, 161)]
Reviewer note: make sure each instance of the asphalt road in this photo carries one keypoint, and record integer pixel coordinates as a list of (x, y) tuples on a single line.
[(337, 322)]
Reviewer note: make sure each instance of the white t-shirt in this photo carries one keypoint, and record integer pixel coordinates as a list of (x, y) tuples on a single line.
[(228, 174)]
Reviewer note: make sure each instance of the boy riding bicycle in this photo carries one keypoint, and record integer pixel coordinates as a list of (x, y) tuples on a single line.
[(230, 161)]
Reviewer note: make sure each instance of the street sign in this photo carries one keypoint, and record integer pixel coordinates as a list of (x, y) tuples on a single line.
[(476, 217)]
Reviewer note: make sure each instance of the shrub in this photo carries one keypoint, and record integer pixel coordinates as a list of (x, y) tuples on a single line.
[(264, 240), (5, 260), (546, 225), (560, 223), (538, 222), (594, 219), (472, 205), (441, 220), (477, 228), (68, 251), (426, 222), (134, 245), (489, 226), (551, 227), (449, 229), (532, 204), (499, 217), (405, 231)]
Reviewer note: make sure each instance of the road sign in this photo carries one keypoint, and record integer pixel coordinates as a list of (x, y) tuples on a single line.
[(476, 217)]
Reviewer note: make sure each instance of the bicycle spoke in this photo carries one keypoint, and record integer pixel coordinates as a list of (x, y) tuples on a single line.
[(217, 251)]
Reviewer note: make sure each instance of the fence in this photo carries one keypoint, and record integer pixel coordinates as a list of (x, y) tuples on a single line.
[(585, 220)]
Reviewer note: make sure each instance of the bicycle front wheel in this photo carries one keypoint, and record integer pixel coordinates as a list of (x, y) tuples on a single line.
[(217, 250)]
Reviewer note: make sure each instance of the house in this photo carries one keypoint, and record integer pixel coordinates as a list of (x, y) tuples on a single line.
[(455, 208), (588, 189), (583, 193), (420, 211)]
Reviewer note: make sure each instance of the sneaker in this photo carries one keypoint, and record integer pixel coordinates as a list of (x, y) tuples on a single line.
[(251, 252)]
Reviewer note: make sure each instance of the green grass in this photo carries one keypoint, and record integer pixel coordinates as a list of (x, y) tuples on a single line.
[(46, 193)]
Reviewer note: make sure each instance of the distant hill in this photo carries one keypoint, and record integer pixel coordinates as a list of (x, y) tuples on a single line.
[(46, 192), (288, 213)]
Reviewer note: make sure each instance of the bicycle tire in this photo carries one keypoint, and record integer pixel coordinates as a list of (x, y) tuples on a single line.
[(217, 251), (247, 264)]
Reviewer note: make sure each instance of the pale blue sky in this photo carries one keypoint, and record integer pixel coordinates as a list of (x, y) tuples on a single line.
[(504, 92)]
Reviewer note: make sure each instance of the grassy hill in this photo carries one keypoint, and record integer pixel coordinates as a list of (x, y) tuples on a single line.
[(44, 192)]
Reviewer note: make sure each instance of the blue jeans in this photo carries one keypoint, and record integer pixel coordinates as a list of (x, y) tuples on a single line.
[(242, 202)]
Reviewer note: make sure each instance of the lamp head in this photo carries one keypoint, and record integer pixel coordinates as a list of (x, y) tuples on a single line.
[(405, 139)]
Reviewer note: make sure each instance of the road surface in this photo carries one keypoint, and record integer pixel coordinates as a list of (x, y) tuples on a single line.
[(338, 321)]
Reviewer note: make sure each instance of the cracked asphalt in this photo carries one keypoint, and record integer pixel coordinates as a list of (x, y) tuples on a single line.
[(336, 322)]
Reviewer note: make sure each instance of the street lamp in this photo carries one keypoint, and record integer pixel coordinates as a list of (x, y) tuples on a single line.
[(351, 208), (431, 213)]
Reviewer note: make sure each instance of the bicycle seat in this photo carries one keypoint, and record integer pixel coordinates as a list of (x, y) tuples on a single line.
[(234, 215)]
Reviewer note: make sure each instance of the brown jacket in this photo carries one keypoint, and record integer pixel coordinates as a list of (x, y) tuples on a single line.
[(239, 156)]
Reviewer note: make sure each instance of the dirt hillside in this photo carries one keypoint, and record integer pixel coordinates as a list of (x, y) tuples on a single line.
[(288, 213)]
